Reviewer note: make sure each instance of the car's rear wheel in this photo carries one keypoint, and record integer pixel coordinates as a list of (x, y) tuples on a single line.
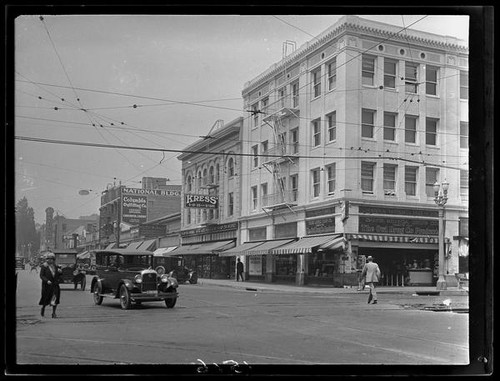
[(125, 301), (97, 295), (170, 302)]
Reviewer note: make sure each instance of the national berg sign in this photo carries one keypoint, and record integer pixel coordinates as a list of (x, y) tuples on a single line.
[(134, 209), (201, 201)]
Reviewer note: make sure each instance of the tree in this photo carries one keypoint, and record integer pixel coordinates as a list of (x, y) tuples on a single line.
[(27, 238)]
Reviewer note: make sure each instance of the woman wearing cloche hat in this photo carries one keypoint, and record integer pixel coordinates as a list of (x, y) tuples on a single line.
[(50, 274)]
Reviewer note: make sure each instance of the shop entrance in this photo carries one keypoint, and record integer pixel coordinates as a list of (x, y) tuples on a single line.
[(404, 267)]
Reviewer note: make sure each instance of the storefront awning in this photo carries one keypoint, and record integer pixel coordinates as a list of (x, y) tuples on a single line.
[(335, 244), (164, 251), (204, 248), (148, 245), (242, 249), (267, 246), (134, 245), (110, 246), (392, 238), (83, 255), (305, 244)]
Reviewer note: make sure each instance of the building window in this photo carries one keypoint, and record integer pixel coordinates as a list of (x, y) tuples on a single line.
[(368, 70), (390, 179), (331, 120), (264, 147), (189, 184), (390, 73), (282, 96), (294, 183), (367, 123), (316, 82), (255, 153), (410, 129), (189, 216), (217, 173), (367, 176), (265, 104), (295, 94), (205, 177), (430, 131), (315, 182), (199, 179), (389, 126), (464, 184), (294, 140), (411, 82), (253, 191), (263, 191), (316, 131), (255, 113), (331, 175), (230, 167), (431, 176), (431, 74), (411, 180), (464, 135), (230, 204), (332, 74), (464, 85), (211, 175), (282, 143)]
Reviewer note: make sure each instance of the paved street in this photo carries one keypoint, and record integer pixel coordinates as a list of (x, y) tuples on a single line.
[(215, 321)]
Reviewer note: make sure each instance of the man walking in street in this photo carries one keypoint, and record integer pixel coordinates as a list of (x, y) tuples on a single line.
[(371, 274), (239, 270)]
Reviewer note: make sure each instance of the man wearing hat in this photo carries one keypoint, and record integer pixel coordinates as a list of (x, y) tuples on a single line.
[(371, 273), (51, 277)]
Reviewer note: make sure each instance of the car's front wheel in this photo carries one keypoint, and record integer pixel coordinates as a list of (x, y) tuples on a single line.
[(97, 295), (170, 302), (125, 301)]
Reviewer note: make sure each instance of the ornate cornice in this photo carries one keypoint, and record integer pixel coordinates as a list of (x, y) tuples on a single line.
[(362, 28)]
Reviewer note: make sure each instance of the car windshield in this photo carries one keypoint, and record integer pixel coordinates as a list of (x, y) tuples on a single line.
[(65, 258), (136, 261)]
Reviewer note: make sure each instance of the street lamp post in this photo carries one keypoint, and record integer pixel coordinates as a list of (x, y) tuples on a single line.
[(440, 198)]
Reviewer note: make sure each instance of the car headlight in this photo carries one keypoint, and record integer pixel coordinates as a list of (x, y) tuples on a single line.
[(164, 278), (138, 278)]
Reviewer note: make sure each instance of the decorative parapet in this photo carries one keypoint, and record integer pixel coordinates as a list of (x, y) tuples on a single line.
[(355, 24)]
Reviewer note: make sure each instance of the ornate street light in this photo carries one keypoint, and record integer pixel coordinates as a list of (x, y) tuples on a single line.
[(440, 198)]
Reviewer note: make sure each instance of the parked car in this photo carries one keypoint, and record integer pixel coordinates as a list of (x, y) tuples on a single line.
[(71, 273), (128, 275), (177, 269)]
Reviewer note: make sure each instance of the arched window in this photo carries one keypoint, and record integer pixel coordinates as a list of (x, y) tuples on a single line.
[(211, 177), (199, 179), (230, 167), (217, 173), (205, 179), (189, 184)]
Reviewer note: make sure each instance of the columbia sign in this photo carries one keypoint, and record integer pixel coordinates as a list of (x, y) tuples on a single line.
[(201, 201)]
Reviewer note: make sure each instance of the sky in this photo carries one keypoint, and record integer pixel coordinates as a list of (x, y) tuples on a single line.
[(140, 81)]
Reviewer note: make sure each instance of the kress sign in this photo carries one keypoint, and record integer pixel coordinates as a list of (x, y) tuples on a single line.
[(201, 201)]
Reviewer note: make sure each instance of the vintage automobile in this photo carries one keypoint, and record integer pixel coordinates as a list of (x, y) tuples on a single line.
[(175, 267), (128, 275), (66, 260)]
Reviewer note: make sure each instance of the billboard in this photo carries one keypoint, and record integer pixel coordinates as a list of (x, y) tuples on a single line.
[(134, 209), (201, 201)]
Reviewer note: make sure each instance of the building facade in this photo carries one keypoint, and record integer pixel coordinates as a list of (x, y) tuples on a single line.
[(211, 173), (348, 135)]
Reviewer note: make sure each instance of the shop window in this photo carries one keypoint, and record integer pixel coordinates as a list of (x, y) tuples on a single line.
[(320, 265), (286, 265)]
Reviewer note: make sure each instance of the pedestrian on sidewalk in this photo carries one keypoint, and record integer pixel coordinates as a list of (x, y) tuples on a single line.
[(50, 274), (371, 274), (239, 270)]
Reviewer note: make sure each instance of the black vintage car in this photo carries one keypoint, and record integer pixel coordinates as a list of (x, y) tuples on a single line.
[(66, 260), (128, 275)]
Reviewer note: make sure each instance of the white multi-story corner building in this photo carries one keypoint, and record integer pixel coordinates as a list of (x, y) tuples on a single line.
[(350, 133)]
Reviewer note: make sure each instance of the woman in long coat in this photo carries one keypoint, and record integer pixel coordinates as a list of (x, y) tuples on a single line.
[(51, 277)]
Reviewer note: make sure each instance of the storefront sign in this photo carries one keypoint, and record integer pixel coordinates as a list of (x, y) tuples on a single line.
[(257, 234), (320, 212), (255, 265), (134, 209), (397, 211), (210, 229), (201, 201), (154, 192), (320, 225), (285, 230), (152, 231), (397, 226)]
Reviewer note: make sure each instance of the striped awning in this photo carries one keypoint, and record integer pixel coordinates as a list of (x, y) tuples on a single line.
[(266, 247), (305, 244), (335, 244), (242, 249), (204, 248), (148, 245), (164, 251), (392, 238)]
